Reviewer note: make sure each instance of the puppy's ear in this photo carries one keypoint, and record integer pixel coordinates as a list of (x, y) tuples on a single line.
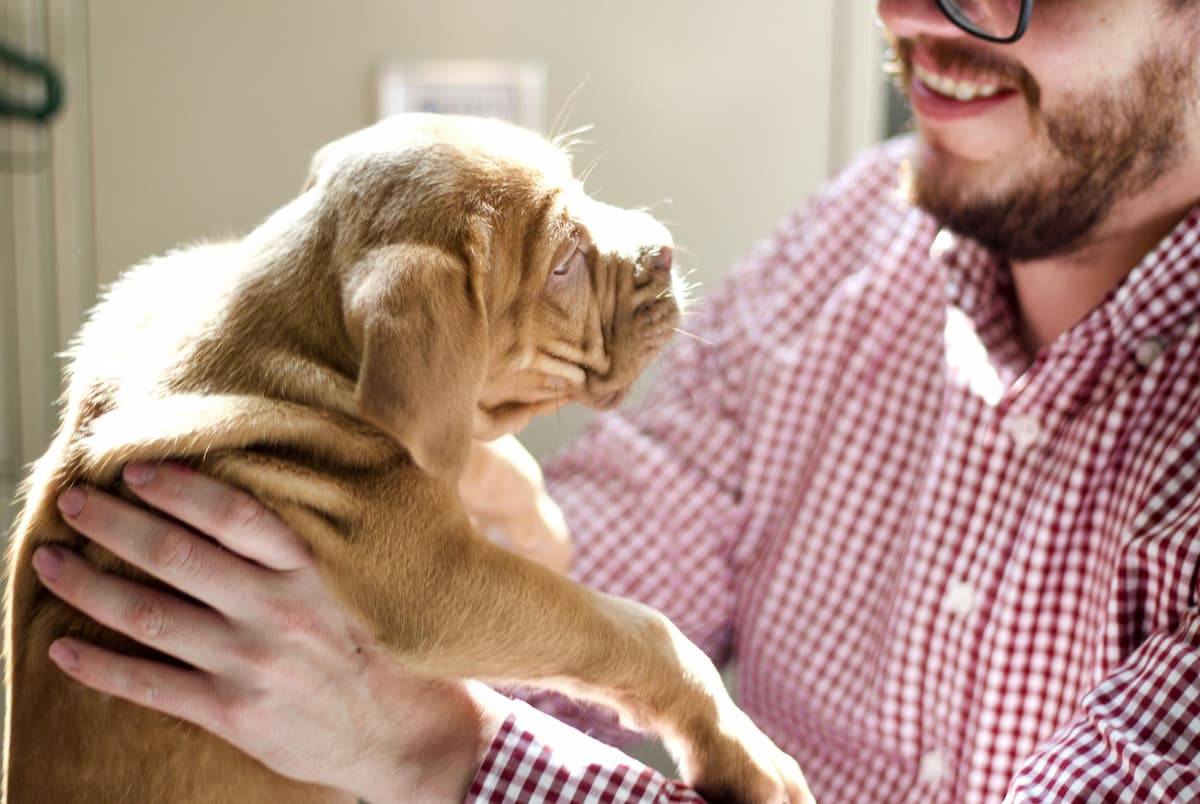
[(419, 320)]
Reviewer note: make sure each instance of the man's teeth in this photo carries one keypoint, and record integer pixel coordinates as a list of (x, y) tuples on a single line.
[(959, 90)]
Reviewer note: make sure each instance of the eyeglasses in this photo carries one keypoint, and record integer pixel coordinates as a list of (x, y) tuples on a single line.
[(1002, 21)]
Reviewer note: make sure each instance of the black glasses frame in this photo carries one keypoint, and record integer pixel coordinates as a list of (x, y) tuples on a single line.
[(966, 25)]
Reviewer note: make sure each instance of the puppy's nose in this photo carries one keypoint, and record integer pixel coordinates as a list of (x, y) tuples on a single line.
[(662, 260)]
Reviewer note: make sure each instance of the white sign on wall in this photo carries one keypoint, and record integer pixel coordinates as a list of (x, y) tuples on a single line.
[(512, 91)]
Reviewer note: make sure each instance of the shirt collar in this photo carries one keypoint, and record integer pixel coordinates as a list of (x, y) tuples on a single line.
[(1160, 294)]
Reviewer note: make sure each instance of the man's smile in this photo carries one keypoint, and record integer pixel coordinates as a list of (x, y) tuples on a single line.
[(939, 93)]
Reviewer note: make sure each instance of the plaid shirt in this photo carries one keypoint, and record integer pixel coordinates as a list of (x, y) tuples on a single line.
[(945, 574)]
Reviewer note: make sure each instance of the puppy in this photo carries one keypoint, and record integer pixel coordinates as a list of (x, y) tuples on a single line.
[(439, 280)]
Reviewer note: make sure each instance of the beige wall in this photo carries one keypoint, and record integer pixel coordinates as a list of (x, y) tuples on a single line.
[(716, 115), (205, 113)]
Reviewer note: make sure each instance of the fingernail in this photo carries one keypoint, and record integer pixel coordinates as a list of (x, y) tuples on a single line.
[(48, 563), (64, 657), (138, 474), (71, 501)]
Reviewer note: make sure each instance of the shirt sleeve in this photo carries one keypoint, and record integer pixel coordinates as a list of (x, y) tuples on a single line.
[(1137, 737), (537, 758)]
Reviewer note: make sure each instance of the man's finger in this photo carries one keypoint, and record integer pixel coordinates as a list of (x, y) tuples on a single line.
[(165, 549), (161, 621), (230, 515), (186, 694)]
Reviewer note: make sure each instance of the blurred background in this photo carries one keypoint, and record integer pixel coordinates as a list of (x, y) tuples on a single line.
[(182, 120)]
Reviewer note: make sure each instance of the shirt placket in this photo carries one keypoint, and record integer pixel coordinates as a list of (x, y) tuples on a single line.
[(968, 522)]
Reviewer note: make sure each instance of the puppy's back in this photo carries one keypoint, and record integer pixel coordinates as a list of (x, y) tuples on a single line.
[(156, 331)]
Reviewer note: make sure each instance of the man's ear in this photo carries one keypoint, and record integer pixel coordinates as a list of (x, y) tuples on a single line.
[(419, 320)]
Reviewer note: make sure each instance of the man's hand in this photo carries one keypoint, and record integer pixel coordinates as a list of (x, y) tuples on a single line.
[(502, 490), (280, 670)]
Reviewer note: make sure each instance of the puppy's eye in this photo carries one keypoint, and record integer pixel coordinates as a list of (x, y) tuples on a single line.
[(573, 263)]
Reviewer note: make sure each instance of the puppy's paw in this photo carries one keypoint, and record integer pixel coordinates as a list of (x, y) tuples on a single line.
[(738, 764)]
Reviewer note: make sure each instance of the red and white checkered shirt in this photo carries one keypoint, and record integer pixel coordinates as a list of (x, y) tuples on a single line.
[(945, 574)]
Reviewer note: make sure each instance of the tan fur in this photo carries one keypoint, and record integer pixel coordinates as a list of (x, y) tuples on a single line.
[(337, 363)]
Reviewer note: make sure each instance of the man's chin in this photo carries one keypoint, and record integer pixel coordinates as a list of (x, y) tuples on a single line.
[(935, 164), (960, 193), (1017, 226)]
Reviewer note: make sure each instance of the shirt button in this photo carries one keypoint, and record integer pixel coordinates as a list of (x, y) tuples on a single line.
[(1148, 351), (933, 767), (960, 598), (943, 244), (1024, 430)]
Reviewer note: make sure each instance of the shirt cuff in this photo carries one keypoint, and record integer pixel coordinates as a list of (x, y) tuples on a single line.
[(536, 758)]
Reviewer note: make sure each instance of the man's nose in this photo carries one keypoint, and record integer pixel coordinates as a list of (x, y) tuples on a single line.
[(908, 19)]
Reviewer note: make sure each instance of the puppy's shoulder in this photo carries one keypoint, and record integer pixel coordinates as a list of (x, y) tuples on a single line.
[(153, 308)]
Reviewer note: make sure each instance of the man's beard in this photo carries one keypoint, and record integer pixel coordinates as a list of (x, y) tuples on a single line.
[(1108, 145)]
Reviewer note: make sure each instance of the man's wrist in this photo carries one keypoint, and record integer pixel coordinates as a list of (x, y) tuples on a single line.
[(454, 737)]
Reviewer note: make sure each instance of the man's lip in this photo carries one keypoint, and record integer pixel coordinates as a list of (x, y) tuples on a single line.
[(932, 105)]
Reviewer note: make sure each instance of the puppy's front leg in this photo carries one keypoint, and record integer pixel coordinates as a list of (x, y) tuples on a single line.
[(451, 604)]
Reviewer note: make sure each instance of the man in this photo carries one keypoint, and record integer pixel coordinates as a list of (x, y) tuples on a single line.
[(931, 476)]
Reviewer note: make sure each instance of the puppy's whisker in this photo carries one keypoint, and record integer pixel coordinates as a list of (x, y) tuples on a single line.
[(659, 203), (681, 288), (564, 111), (586, 173), (693, 335), (571, 136), (570, 146)]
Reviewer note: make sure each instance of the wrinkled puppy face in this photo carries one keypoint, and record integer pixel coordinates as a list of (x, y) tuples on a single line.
[(582, 296), (481, 285)]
